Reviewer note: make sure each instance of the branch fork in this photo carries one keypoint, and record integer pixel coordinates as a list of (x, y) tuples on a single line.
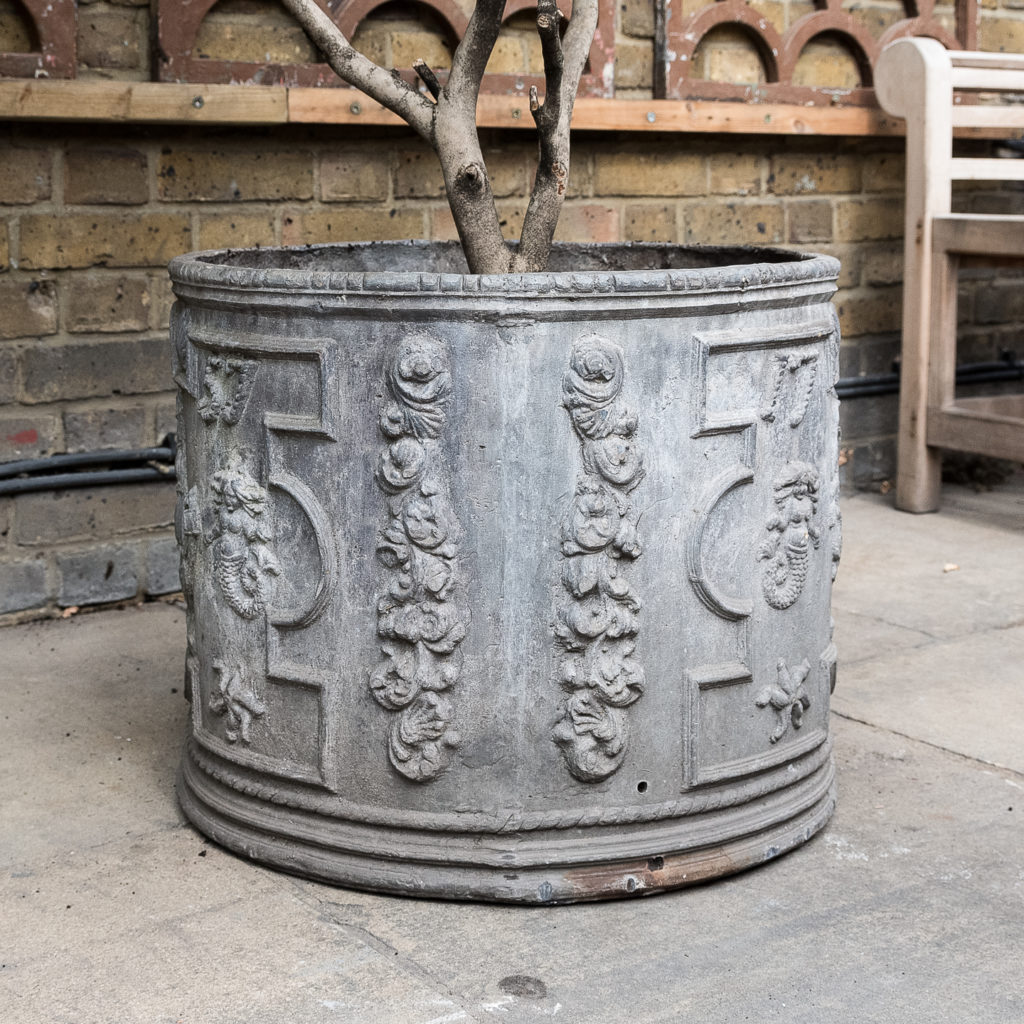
[(447, 120)]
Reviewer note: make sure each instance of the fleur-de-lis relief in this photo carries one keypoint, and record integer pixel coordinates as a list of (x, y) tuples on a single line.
[(791, 532), (597, 625), (235, 699), (791, 375), (242, 532), (787, 697), (422, 617), (227, 384)]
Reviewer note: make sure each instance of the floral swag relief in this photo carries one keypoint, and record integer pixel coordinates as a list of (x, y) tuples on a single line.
[(791, 533), (597, 626), (241, 535), (422, 618)]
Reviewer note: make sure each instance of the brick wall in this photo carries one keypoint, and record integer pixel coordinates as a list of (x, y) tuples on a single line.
[(90, 215)]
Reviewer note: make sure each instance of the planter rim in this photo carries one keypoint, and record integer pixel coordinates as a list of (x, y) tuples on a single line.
[(309, 268)]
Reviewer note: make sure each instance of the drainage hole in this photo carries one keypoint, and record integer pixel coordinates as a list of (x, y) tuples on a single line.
[(630, 885), (641, 787)]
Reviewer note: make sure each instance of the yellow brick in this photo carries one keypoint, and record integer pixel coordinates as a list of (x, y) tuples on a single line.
[(373, 40), (510, 218), (407, 47), (726, 54), (884, 172), (874, 311), (418, 174), (825, 66), (774, 13), (25, 174), (807, 173), (355, 174), (797, 9), (351, 224), (875, 19), (236, 230), (162, 300), (29, 308), (112, 39), (587, 222), (638, 18), (649, 174), (534, 53), (15, 32), (105, 174), (810, 220), (507, 168), (634, 65), (442, 224), (1001, 35), (104, 305), (733, 224), (253, 40), (868, 219), (883, 264), (735, 174), (236, 174), (507, 57), (650, 222), (83, 240)]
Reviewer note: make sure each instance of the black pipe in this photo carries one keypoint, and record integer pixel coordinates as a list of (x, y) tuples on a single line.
[(88, 469), (92, 478), (1007, 369), (78, 460)]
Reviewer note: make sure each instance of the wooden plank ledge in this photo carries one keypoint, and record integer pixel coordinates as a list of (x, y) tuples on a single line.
[(193, 103)]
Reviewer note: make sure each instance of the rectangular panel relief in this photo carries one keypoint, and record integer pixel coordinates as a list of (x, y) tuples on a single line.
[(761, 543), (250, 517)]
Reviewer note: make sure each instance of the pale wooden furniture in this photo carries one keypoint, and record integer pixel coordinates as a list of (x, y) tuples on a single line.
[(933, 88)]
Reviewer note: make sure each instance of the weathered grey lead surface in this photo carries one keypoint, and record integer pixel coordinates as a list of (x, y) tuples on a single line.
[(908, 907), (508, 587)]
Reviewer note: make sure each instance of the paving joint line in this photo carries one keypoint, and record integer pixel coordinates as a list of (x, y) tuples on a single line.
[(927, 743), (408, 964)]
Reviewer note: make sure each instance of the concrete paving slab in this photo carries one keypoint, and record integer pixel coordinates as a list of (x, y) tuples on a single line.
[(966, 695), (899, 568), (93, 719), (908, 907)]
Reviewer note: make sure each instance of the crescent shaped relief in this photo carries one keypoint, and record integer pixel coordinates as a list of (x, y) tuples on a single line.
[(327, 548), (728, 606)]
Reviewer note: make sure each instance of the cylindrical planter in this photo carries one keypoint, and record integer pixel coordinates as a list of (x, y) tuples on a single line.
[(511, 587)]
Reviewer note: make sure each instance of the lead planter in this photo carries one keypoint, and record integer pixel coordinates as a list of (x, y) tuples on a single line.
[(510, 588)]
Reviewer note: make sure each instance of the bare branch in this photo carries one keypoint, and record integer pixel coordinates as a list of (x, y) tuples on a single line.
[(458, 145), (428, 77), (564, 60), (549, 19), (473, 53), (351, 66)]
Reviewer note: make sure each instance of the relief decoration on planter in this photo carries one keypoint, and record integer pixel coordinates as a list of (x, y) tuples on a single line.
[(597, 624), (227, 384), (791, 532), (422, 617), (794, 383), (241, 537), (787, 697), (235, 698)]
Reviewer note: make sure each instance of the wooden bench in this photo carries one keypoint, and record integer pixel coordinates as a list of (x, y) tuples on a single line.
[(933, 88)]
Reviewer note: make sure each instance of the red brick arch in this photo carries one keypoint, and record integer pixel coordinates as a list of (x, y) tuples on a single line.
[(55, 25)]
